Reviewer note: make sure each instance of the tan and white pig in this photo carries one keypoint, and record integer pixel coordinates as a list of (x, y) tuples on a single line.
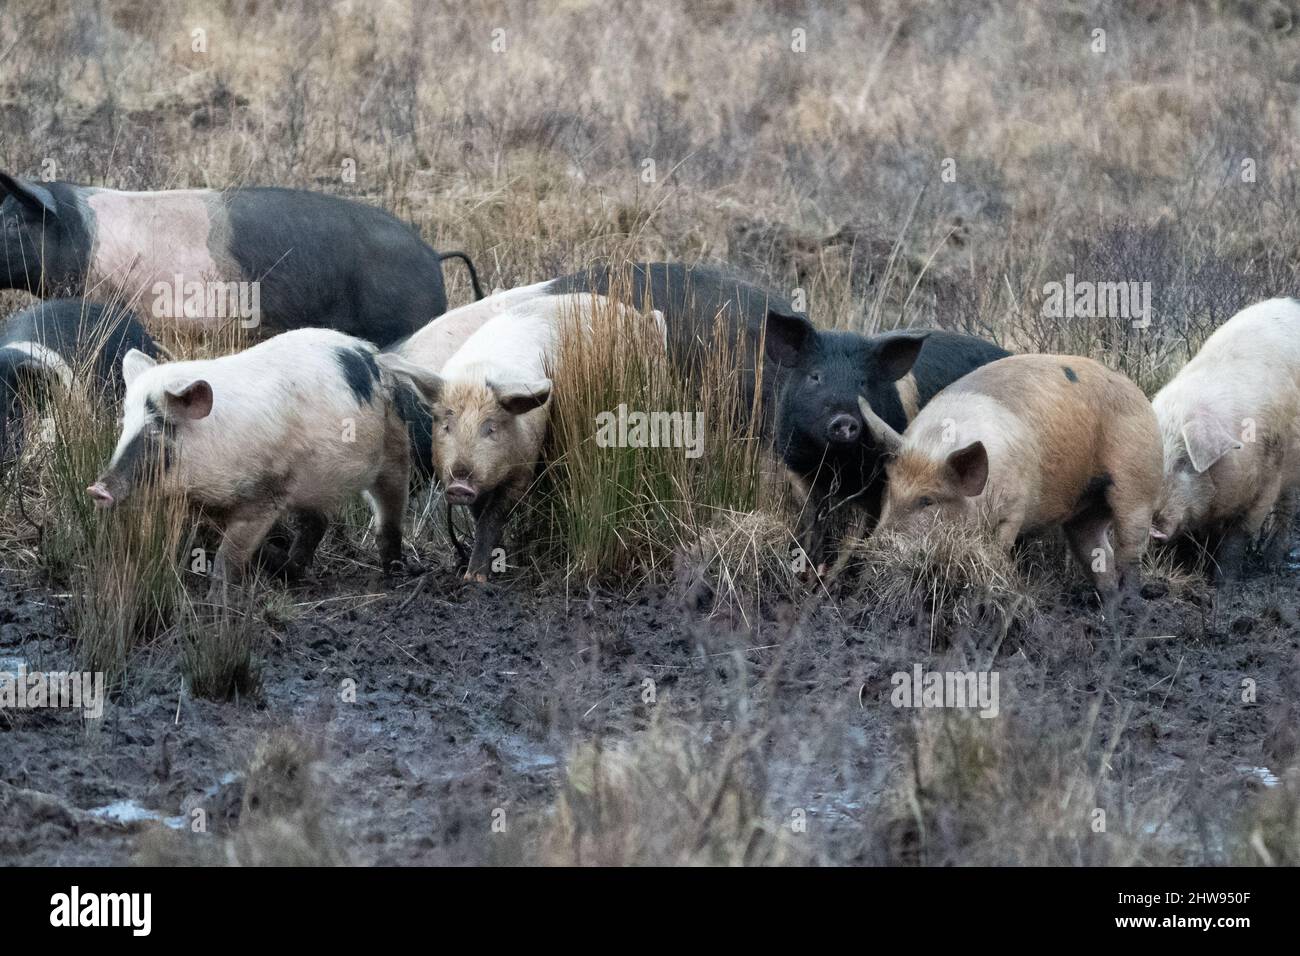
[(1027, 443)]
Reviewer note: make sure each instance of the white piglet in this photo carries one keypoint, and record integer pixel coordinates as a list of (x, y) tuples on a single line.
[(296, 424)]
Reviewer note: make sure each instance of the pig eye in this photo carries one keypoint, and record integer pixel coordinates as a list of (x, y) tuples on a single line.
[(815, 377), (488, 429), (925, 502)]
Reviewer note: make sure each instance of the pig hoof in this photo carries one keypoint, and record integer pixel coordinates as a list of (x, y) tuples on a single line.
[(399, 567), (477, 578)]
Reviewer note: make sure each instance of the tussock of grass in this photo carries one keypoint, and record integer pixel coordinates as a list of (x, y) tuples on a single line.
[(218, 649), (667, 796), (1162, 568), (950, 578), (610, 510), (1001, 791), (741, 562), (119, 567)]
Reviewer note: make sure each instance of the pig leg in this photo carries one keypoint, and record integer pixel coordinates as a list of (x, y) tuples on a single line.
[(490, 514), (1279, 542), (1230, 554), (389, 501), (1132, 532), (243, 533), (312, 525), (1008, 528), (811, 531), (1092, 549)]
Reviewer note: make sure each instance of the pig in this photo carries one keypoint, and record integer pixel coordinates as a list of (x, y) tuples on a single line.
[(488, 403), (1230, 422), (431, 347), (294, 424), (1027, 443), (809, 379), (63, 341), (271, 258), (830, 458)]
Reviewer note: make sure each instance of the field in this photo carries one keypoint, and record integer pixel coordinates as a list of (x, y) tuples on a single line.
[(653, 682)]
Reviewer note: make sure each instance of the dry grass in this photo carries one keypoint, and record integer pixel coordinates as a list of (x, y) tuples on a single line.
[(741, 564), (1001, 791), (665, 797), (219, 648), (948, 580), (283, 819), (122, 568), (609, 510)]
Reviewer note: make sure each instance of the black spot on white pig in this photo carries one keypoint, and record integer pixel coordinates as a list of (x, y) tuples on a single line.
[(70, 343), (270, 258), (296, 424)]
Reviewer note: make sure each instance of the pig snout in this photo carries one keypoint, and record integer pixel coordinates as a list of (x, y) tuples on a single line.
[(460, 487), (100, 494), (1161, 528), (461, 493), (843, 429)]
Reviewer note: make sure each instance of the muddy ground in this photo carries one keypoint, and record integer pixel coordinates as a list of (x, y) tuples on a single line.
[(470, 699)]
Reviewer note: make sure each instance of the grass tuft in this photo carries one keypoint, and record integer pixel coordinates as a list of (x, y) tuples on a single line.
[(950, 578)]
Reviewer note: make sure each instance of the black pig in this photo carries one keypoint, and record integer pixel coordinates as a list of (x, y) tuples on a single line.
[(58, 341), (819, 432)]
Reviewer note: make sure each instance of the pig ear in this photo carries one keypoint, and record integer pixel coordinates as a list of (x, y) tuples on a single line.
[(1207, 441), (970, 465), (881, 431), (191, 400), (34, 197), (429, 384), (134, 363), (897, 353), (786, 337), (520, 397)]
